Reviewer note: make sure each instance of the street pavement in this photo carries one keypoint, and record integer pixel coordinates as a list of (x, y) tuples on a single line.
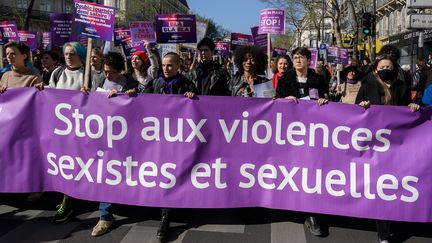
[(25, 221)]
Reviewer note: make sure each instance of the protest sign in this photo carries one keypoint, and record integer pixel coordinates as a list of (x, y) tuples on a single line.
[(142, 31), (238, 39), (28, 37), (8, 32), (61, 29), (259, 39), (176, 28), (314, 58), (93, 20), (46, 40), (272, 21), (337, 55), (222, 48)]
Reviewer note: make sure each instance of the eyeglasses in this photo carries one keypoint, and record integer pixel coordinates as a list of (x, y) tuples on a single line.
[(299, 58)]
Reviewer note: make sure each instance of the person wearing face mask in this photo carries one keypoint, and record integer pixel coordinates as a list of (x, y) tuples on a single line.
[(382, 87), (280, 66), (349, 89)]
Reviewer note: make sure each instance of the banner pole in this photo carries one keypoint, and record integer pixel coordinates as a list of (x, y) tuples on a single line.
[(1, 56), (87, 69), (268, 55)]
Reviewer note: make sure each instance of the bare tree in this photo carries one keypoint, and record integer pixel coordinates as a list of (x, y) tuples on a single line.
[(28, 15)]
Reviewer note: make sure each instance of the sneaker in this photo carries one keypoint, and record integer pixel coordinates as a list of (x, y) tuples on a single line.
[(101, 227), (64, 211), (313, 226), (162, 233)]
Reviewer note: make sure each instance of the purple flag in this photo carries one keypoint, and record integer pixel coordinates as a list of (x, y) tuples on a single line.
[(176, 28), (93, 20), (142, 31), (29, 37), (222, 48), (8, 32), (272, 21), (259, 153)]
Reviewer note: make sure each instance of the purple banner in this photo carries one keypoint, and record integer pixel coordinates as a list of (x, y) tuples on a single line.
[(272, 21), (260, 152), (93, 20), (314, 58), (222, 48), (142, 31), (8, 32), (259, 39), (29, 37), (238, 39), (176, 28), (61, 29)]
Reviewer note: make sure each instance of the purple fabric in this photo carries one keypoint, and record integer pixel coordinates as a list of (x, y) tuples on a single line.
[(272, 21), (93, 20), (371, 163), (8, 32), (176, 28)]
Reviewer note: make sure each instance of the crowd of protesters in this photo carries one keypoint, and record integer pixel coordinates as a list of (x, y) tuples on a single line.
[(382, 82)]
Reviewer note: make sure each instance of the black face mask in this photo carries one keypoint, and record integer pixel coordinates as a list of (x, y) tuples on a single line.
[(387, 75)]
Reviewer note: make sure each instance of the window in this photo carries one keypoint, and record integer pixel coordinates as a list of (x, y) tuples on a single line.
[(22, 3)]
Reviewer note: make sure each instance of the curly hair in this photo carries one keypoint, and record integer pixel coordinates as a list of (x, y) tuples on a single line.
[(256, 52), (391, 50), (114, 60)]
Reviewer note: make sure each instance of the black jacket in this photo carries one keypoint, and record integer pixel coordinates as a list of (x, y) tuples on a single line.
[(237, 84), (288, 85), (372, 91), (210, 79), (185, 85)]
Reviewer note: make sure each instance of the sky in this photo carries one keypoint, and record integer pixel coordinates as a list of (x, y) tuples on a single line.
[(234, 15)]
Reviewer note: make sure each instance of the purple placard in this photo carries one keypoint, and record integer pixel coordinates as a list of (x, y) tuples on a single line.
[(29, 37), (272, 21), (279, 52), (337, 55), (142, 31), (130, 47), (46, 40), (343, 56), (259, 153), (222, 48), (259, 39), (121, 34), (61, 29), (93, 20), (238, 39), (176, 28), (314, 58), (8, 32)]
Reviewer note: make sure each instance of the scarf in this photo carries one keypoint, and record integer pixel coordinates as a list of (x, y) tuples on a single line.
[(168, 83)]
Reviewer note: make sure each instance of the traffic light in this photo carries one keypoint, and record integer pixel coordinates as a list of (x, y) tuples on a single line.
[(367, 22)]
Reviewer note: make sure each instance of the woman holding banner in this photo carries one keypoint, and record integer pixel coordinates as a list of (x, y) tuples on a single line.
[(145, 67), (20, 75), (280, 66), (382, 87), (251, 62)]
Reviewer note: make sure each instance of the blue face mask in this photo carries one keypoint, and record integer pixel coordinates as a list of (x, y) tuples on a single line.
[(387, 75)]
